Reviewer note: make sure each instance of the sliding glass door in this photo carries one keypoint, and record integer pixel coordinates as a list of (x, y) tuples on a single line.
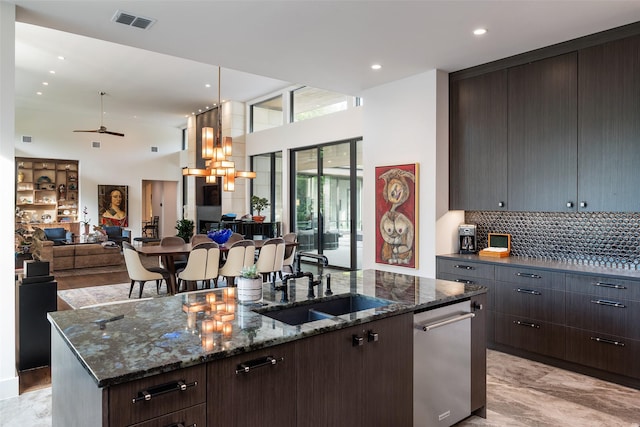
[(326, 189)]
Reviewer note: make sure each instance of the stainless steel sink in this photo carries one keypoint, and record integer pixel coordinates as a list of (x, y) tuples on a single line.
[(322, 309)]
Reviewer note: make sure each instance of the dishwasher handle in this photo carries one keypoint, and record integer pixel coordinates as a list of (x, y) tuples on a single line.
[(457, 318)]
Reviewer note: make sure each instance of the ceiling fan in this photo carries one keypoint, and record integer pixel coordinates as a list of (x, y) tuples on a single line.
[(102, 128)]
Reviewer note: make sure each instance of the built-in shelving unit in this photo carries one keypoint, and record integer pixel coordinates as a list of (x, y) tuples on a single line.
[(47, 193)]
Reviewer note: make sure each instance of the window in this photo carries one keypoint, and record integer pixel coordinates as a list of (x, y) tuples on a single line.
[(308, 102), (266, 114), (268, 183)]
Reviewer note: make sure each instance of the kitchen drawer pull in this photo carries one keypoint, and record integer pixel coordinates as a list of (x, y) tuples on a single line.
[(146, 395), (609, 285), (527, 324), (608, 303), (464, 267), (529, 276), (246, 367), (528, 291), (430, 326), (183, 425), (465, 281), (606, 341)]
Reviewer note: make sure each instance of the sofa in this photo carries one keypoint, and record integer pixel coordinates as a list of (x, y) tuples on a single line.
[(83, 255)]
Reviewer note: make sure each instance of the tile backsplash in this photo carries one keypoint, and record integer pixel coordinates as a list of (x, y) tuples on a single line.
[(604, 239)]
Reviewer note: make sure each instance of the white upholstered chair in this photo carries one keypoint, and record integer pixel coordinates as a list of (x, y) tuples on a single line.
[(138, 272), (271, 258), (202, 265), (241, 254)]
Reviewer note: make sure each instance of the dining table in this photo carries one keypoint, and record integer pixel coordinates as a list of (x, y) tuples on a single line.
[(168, 254)]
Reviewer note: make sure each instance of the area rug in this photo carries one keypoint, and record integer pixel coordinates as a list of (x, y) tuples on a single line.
[(83, 297)]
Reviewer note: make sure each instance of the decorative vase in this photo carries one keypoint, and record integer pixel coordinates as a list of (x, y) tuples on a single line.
[(86, 229), (259, 218), (249, 290)]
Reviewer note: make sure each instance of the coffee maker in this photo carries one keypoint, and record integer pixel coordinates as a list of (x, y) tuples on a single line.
[(467, 235)]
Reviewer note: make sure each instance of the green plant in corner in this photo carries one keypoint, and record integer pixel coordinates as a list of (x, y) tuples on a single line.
[(259, 203), (185, 229), (250, 272)]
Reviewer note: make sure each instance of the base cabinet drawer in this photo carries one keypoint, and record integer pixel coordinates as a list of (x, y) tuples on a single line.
[(531, 277), (530, 335), (604, 287), (530, 302), (616, 317), (465, 268), (606, 352), (195, 416), (165, 393)]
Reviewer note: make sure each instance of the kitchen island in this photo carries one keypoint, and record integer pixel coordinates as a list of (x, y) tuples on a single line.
[(192, 360)]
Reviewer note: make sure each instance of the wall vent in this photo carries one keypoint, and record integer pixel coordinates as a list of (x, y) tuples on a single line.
[(26, 138), (95, 144), (132, 20), (154, 149)]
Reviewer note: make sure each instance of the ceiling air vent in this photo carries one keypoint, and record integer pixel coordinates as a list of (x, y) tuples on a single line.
[(95, 144), (132, 20), (26, 138), (154, 149)]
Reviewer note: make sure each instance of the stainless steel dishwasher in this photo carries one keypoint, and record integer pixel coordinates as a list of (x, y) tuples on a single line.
[(442, 365)]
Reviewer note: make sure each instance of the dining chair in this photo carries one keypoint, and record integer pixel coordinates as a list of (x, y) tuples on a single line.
[(139, 273), (235, 237), (200, 238), (271, 258), (240, 254), (179, 261), (150, 229), (289, 252), (202, 265)]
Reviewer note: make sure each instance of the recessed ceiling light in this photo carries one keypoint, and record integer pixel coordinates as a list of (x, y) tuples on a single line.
[(480, 31), (45, 83), (207, 85), (38, 93), (376, 66), (52, 72), (61, 58)]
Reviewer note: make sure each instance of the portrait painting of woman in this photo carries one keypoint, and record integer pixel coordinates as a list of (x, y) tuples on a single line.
[(113, 205)]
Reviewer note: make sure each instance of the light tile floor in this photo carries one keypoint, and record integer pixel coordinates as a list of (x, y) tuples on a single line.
[(519, 393)]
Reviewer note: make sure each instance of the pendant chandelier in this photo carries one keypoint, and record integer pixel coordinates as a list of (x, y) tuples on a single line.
[(217, 152)]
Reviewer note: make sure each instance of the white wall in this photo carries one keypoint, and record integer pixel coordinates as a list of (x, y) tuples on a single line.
[(406, 122), (8, 375)]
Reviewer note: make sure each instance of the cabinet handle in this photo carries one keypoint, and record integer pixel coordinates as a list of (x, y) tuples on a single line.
[(146, 395), (465, 281), (609, 303), (529, 276), (372, 336), (261, 362), (607, 341), (530, 325), (583, 204), (457, 318), (501, 204), (569, 204), (182, 425), (609, 285), (357, 340), (528, 291), (464, 267)]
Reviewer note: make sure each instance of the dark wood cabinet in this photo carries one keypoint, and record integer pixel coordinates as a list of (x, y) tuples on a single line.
[(609, 126), (542, 135), (263, 395), (473, 273), (357, 376), (479, 355), (478, 148)]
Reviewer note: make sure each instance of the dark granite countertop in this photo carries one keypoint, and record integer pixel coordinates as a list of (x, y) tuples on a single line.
[(144, 338), (567, 267)]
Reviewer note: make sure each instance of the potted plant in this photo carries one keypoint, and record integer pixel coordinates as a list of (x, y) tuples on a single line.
[(249, 285), (258, 204), (185, 229)]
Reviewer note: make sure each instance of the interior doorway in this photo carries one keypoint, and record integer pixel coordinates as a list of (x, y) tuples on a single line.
[(160, 198)]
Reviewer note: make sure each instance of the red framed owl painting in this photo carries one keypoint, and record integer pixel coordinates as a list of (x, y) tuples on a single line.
[(397, 215)]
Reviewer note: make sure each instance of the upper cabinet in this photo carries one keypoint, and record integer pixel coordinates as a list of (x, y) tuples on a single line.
[(609, 126), (543, 135), (478, 152), (554, 130)]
